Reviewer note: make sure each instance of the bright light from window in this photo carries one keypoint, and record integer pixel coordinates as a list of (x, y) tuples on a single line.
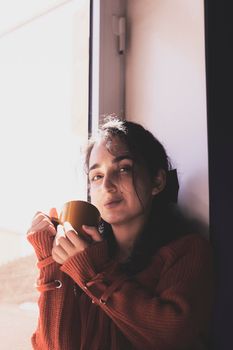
[(13, 13), (43, 114), (44, 59)]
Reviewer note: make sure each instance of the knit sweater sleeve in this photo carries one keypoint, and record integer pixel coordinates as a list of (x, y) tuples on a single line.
[(57, 302), (165, 307)]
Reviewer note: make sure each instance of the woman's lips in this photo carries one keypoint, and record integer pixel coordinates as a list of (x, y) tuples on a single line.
[(112, 203)]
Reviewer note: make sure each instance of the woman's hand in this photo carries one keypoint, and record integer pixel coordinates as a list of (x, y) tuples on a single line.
[(69, 243), (41, 234), (42, 222)]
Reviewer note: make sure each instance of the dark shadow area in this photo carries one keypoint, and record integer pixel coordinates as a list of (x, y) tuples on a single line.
[(219, 74)]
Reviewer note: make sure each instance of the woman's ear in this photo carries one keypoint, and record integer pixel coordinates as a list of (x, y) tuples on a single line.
[(159, 182)]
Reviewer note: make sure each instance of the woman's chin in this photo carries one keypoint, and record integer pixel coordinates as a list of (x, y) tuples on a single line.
[(115, 220)]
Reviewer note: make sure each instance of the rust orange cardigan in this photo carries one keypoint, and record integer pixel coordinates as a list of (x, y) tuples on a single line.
[(89, 304)]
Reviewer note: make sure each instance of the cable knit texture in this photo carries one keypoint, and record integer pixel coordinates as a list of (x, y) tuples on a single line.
[(167, 306)]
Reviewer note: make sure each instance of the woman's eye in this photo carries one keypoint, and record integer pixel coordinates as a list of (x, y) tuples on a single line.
[(125, 169), (95, 178)]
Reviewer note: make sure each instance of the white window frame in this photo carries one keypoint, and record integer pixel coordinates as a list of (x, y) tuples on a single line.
[(108, 64)]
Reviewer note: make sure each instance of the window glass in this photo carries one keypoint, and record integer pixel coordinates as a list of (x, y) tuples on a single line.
[(44, 119)]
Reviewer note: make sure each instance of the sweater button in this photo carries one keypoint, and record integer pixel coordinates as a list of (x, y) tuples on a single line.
[(93, 301)]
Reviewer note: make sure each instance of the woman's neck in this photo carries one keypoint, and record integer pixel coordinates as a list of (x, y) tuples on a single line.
[(126, 235)]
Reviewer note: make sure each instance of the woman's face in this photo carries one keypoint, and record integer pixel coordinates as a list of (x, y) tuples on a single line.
[(119, 196)]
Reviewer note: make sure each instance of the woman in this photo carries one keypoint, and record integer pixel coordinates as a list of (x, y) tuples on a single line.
[(143, 282)]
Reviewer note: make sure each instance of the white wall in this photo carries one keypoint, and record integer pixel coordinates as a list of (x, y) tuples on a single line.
[(165, 88)]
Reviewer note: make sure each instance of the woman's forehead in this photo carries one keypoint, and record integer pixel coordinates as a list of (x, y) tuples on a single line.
[(108, 149)]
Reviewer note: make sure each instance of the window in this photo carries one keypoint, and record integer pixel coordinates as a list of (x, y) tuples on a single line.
[(44, 64)]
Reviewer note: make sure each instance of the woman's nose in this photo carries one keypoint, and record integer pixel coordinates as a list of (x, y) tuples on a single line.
[(109, 183)]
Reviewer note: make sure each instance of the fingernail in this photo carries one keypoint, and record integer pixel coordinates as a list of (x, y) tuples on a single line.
[(68, 226)]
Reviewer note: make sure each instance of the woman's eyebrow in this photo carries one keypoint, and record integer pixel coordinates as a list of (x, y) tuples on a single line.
[(115, 160), (122, 157), (94, 166)]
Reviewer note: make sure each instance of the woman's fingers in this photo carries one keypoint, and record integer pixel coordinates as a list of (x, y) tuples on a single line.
[(43, 224), (66, 244), (71, 233), (63, 247), (51, 229), (60, 233), (39, 216), (40, 222), (92, 232), (43, 221), (38, 213), (63, 240), (68, 227), (59, 254), (78, 243), (73, 238)]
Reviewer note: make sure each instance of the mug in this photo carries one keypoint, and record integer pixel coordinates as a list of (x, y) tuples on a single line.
[(78, 213)]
